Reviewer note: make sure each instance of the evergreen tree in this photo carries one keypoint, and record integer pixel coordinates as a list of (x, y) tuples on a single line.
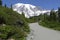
[(0, 2), (11, 6), (59, 14), (5, 5), (53, 15), (23, 14), (45, 17), (40, 17), (2, 20)]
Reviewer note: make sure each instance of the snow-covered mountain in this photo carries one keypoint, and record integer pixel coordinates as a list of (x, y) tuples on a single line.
[(28, 9)]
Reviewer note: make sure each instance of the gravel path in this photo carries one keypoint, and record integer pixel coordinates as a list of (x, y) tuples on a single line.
[(41, 33)]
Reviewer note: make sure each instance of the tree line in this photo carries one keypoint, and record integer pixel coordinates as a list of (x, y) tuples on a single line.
[(5, 4), (53, 16)]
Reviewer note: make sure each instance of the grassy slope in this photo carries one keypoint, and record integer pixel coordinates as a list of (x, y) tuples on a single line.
[(10, 18), (52, 25), (49, 24), (33, 19)]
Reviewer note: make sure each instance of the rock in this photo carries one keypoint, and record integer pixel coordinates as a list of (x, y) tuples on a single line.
[(20, 22)]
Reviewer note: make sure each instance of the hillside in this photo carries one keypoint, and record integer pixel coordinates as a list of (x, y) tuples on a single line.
[(51, 21), (12, 25)]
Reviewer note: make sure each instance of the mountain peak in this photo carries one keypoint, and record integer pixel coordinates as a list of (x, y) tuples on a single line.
[(26, 5), (28, 9)]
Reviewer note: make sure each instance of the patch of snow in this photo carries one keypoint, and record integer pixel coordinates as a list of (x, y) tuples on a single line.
[(29, 10)]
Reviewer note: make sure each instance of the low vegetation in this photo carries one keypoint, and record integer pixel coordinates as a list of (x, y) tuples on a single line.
[(51, 21), (12, 25), (33, 19)]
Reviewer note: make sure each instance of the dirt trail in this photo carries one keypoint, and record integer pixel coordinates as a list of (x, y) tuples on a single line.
[(41, 33)]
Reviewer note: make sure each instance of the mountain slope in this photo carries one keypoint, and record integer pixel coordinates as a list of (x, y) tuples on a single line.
[(28, 9)]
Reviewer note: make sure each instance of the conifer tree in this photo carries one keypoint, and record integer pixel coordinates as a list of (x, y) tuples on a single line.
[(53, 15), (45, 17), (0, 2), (59, 14), (23, 14), (5, 5), (11, 6)]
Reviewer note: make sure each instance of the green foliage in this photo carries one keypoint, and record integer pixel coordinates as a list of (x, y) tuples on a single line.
[(51, 21), (11, 29), (53, 15), (11, 6), (59, 14), (2, 20), (33, 19), (52, 25), (1, 2), (11, 32), (23, 14), (5, 5)]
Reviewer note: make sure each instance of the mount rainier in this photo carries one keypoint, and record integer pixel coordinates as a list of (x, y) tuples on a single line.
[(29, 10)]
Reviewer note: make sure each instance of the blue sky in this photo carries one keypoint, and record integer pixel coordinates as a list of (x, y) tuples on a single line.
[(46, 4)]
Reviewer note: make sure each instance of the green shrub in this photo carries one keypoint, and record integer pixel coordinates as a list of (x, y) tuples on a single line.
[(11, 29)]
